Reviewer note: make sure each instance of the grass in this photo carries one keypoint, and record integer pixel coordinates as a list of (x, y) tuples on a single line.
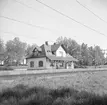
[(24, 95), (92, 82)]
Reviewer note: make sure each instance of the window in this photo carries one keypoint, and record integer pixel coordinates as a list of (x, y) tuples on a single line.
[(40, 63), (32, 64)]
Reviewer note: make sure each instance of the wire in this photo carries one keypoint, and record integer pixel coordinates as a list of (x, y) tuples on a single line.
[(16, 34), (28, 6), (91, 11), (70, 18), (7, 32), (26, 23)]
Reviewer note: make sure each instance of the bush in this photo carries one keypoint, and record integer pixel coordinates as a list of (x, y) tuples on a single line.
[(60, 101), (23, 95), (36, 99), (5, 68), (62, 92)]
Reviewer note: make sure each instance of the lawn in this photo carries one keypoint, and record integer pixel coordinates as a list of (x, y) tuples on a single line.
[(88, 88), (90, 81)]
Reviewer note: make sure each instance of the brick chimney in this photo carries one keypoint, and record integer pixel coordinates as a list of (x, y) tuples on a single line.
[(46, 42)]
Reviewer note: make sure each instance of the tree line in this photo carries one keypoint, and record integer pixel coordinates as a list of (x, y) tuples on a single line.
[(14, 51), (87, 56)]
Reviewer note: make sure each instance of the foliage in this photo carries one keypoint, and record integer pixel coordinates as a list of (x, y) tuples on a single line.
[(72, 47), (99, 56), (23, 95), (1, 46), (2, 50), (15, 50), (87, 56), (5, 68)]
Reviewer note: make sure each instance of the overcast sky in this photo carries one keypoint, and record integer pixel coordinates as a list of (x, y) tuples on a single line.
[(55, 25)]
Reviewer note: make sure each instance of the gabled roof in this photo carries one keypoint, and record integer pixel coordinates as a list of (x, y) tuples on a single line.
[(54, 47), (46, 51), (38, 48)]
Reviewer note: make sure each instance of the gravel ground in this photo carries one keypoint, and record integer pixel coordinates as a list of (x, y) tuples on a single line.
[(89, 81)]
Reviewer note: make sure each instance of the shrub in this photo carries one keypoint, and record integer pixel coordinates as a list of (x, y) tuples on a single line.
[(62, 92), (5, 68), (37, 99), (60, 101), (23, 95), (36, 90), (10, 101)]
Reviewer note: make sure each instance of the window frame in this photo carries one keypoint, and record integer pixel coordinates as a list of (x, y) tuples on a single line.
[(31, 64), (40, 63)]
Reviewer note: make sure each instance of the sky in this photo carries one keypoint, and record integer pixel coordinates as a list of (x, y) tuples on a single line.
[(52, 24)]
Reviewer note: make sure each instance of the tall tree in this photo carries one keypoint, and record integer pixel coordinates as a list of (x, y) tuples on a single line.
[(1, 46), (99, 56), (91, 60), (72, 47), (2, 50), (86, 55), (15, 50)]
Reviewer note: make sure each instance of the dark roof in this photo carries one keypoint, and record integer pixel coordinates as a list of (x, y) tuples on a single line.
[(35, 57), (54, 47), (43, 50), (38, 48), (62, 58), (46, 51)]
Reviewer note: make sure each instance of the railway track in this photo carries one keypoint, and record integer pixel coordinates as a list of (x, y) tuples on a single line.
[(38, 73)]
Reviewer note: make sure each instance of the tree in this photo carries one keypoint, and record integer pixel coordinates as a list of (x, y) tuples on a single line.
[(99, 56), (72, 47), (1, 46), (86, 55), (92, 56), (30, 49), (15, 50), (2, 51)]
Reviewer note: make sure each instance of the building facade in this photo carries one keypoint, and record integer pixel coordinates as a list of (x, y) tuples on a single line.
[(50, 57)]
